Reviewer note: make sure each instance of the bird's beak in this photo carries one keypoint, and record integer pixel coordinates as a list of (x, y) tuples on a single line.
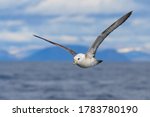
[(74, 62)]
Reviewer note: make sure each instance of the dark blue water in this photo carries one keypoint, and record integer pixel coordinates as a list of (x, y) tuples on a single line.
[(58, 80)]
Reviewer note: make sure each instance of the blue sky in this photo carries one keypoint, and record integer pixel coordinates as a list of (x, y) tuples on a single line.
[(73, 22)]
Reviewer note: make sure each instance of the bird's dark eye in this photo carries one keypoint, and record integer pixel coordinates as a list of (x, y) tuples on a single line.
[(78, 58)]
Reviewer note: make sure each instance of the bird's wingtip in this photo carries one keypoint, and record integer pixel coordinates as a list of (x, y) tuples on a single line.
[(34, 35), (37, 36), (130, 12)]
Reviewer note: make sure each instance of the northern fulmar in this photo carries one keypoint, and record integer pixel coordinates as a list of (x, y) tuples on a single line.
[(88, 59)]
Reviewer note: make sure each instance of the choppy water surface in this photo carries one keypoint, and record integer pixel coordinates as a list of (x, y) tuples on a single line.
[(58, 80)]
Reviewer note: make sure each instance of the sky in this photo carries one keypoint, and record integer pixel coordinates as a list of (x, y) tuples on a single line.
[(73, 22)]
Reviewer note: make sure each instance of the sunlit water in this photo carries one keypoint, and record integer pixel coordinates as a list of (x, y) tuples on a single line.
[(63, 80)]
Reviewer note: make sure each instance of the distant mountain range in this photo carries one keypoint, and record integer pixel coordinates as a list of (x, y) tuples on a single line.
[(58, 54), (5, 56)]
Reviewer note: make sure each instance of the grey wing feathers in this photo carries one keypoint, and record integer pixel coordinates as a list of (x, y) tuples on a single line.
[(105, 33), (69, 50)]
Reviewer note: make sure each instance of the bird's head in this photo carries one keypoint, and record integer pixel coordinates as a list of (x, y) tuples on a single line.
[(79, 58)]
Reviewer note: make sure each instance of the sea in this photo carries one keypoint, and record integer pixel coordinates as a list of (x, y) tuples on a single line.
[(65, 81)]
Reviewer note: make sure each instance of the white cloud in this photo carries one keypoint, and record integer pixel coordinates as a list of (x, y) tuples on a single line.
[(146, 47), (64, 39), (68, 39), (5, 4), (143, 48), (11, 23), (72, 19), (141, 23), (14, 31), (21, 52), (138, 22), (20, 36), (76, 7), (129, 49)]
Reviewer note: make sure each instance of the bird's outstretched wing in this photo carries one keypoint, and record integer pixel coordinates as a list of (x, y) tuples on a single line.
[(105, 33), (68, 49)]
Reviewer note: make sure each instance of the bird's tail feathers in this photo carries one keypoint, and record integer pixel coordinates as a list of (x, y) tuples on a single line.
[(99, 61)]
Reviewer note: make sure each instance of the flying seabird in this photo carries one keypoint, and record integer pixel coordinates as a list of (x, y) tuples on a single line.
[(88, 59)]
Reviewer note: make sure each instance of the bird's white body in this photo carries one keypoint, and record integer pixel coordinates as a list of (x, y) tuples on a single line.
[(83, 61)]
